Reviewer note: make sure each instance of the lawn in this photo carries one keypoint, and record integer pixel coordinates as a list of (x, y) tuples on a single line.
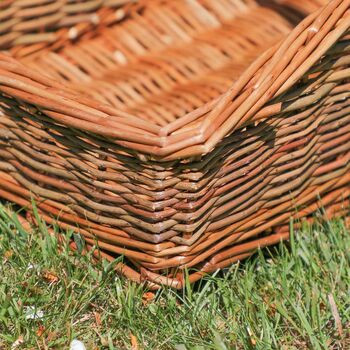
[(294, 296)]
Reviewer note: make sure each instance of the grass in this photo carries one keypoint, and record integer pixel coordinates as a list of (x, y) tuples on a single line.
[(296, 296)]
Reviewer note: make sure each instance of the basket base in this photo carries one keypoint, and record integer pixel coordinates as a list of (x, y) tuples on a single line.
[(334, 204)]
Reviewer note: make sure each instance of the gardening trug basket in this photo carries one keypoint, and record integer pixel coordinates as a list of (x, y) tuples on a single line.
[(181, 134)]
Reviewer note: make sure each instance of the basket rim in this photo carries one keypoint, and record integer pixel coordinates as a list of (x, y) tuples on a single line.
[(196, 133)]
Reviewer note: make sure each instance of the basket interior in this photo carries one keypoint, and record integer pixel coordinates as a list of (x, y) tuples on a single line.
[(167, 58)]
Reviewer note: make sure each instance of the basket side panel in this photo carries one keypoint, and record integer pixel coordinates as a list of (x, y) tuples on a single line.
[(31, 26)]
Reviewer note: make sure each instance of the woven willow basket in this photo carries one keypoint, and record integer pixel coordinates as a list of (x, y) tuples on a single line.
[(177, 133)]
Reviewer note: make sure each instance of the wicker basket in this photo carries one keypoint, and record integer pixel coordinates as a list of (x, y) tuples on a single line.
[(179, 134)]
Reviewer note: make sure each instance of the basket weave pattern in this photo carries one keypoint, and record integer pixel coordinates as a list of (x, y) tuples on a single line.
[(180, 134)]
